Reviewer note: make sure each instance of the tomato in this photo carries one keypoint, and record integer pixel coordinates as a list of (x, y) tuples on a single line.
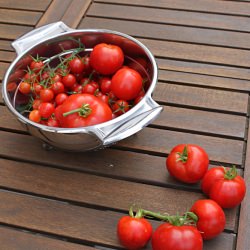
[(57, 87), (11, 86), (102, 97), (81, 110), (35, 116), (76, 65), (52, 122), (69, 80), (126, 84), (187, 163), (87, 67), (105, 85), (134, 233), (211, 218), (46, 95), (90, 88), (36, 103), (25, 87), (60, 98), (36, 66), (46, 109), (120, 107), (171, 237), (224, 186), (106, 59), (37, 88), (56, 78)]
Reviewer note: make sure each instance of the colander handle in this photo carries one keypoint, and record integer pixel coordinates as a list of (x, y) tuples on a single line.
[(38, 35), (149, 111)]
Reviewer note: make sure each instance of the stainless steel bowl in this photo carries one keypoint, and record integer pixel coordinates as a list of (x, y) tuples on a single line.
[(47, 41)]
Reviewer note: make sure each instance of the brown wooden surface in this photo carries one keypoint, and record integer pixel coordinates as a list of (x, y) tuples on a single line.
[(61, 200)]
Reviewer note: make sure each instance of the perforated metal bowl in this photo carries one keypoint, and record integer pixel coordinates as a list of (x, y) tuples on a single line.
[(48, 41)]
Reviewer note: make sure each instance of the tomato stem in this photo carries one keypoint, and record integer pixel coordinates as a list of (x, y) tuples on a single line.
[(83, 111), (230, 174), (183, 156)]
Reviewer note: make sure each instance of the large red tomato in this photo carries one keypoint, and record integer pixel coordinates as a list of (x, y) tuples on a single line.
[(134, 233), (126, 84), (80, 110), (106, 59), (170, 237), (211, 218), (224, 186), (187, 163)]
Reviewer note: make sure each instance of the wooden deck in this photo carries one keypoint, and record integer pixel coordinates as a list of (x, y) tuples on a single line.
[(57, 200)]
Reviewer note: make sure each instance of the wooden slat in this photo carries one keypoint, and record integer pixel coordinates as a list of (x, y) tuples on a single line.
[(8, 31), (78, 7), (166, 16), (171, 33), (201, 121), (243, 240), (224, 7), (204, 80), (200, 53), (109, 193), (204, 68), (55, 12), (211, 99), (3, 68), (7, 56), (77, 222), (29, 4), (21, 17), (5, 45), (21, 240)]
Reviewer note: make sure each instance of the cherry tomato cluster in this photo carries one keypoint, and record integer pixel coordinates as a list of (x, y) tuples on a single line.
[(80, 89), (205, 219)]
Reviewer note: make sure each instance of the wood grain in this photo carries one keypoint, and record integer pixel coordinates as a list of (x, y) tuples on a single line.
[(5, 45), (28, 5), (11, 31), (171, 33), (166, 16), (23, 240)]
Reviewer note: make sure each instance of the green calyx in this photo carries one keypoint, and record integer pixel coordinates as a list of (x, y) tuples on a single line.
[(230, 174), (83, 111), (183, 156)]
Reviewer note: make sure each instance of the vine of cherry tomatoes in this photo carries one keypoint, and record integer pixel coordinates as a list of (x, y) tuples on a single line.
[(80, 89)]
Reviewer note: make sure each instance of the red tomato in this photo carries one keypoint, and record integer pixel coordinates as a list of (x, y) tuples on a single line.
[(106, 59), (81, 110), (170, 237), (36, 66), (120, 107), (11, 86), (187, 163), (60, 98), (126, 84), (76, 65), (37, 88), (57, 87), (24, 87), (224, 186), (46, 109), (90, 88), (52, 122), (105, 85), (211, 218), (36, 103), (69, 80), (134, 233), (46, 95), (35, 116), (102, 97)]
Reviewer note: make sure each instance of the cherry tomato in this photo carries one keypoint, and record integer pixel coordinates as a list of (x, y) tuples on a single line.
[(36, 103), (52, 122), (69, 80), (11, 86), (57, 87), (35, 116), (87, 67), (76, 65), (37, 88), (105, 85), (90, 88), (46, 95), (211, 218), (106, 59), (171, 237), (60, 98), (56, 78), (81, 110), (134, 233), (126, 84), (224, 186), (36, 66), (25, 87), (103, 97), (46, 109), (187, 163), (120, 107)]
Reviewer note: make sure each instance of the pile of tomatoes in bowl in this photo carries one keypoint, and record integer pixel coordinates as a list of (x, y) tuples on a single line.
[(78, 89)]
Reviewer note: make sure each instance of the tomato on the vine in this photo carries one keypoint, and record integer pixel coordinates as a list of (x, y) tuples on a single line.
[(187, 163), (224, 186), (120, 107), (211, 218), (46, 95), (24, 87), (105, 85), (60, 98), (35, 116), (76, 65), (36, 66), (69, 80), (126, 84), (46, 109), (57, 87)]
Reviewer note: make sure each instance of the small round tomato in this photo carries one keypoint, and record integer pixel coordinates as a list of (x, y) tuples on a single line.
[(46, 109), (52, 122), (37, 88), (187, 163), (76, 65), (211, 218), (46, 95), (35, 116), (36, 103), (105, 85), (106, 58), (171, 237), (134, 233), (69, 80), (103, 97), (36, 66), (120, 107), (25, 87), (60, 98), (90, 88), (224, 186), (80, 110), (126, 84), (11, 86), (57, 87)]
